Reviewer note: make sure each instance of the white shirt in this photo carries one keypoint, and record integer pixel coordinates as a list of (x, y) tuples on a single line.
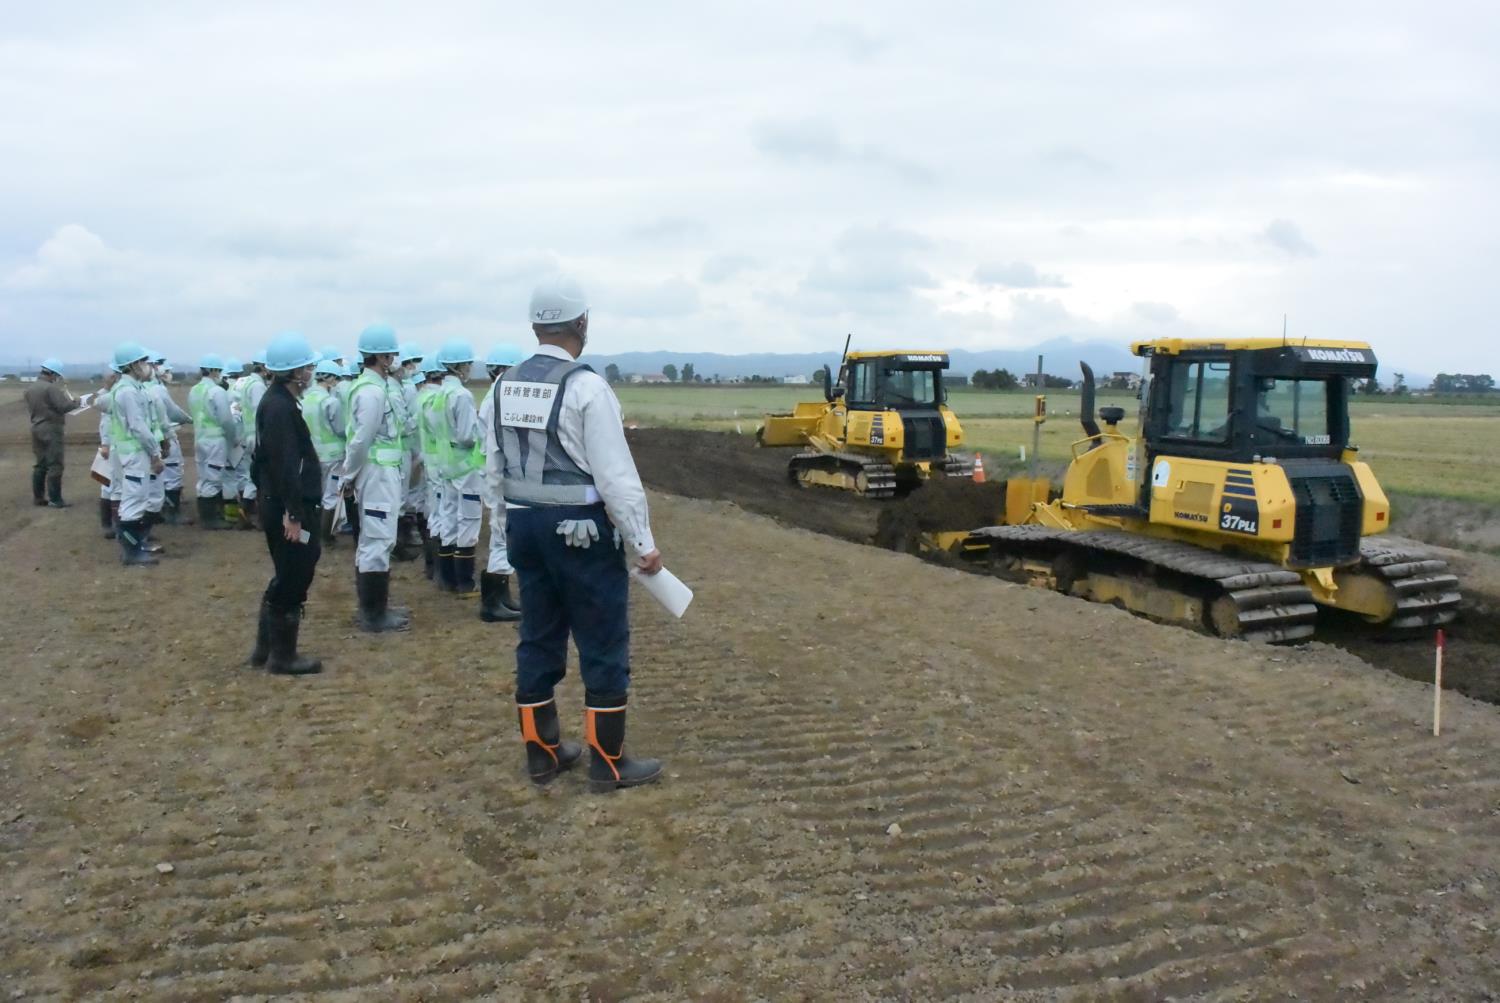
[(591, 429)]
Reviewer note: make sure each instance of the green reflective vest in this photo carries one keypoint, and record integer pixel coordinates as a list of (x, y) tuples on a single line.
[(205, 425), (122, 441), (326, 439), (385, 451), (452, 460)]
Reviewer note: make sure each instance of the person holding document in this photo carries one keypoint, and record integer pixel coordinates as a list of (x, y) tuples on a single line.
[(560, 465), (289, 483)]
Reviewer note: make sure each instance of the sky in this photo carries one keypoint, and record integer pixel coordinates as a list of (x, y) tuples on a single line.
[(763, 177)]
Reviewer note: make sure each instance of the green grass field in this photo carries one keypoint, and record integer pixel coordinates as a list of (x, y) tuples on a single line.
[(1417, 446)]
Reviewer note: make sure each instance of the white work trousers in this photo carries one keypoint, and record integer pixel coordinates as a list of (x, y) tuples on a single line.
[(243, 483), (378, 491), (215, 478), (463, 510), (171, 477), (333, 484), (414, 476), (499, 562), (136, 484), (432, 502)]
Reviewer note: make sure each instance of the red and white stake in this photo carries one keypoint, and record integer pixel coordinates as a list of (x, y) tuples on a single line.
[(1437, 686)]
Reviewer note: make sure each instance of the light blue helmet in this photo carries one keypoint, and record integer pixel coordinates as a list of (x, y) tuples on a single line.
[(455, 352), (127, 354), (410, 352), (258, 357), (233, 366), (432, 367), (155, 356), (327, 367), (211, 361), (287, 351), (503, 355), (52, 364), (378, 339), (352, 371), (331, 352)]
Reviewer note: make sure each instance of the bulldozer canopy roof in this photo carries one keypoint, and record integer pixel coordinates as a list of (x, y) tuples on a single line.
[(914, 359), (1176, 346)]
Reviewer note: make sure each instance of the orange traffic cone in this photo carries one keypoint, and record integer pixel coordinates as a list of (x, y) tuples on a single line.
[(978, 469)]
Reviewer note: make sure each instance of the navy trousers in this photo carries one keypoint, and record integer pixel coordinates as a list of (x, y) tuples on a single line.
[(577, 590)]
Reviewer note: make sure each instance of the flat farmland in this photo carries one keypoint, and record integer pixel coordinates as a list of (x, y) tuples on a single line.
[(1418, 447)]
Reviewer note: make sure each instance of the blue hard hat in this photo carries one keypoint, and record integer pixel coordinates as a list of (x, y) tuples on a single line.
[(259, 357), (378, 339), (503, 355), (327, 367), (52, 364), (455, 351), (409, 352), (431, 366), (211, 361), (352, 370), (287, 351), (155, 356), (331, 352), (232, 366), (127, 353)]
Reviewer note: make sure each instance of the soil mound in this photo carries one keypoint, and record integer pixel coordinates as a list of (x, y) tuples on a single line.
[(944, 505)]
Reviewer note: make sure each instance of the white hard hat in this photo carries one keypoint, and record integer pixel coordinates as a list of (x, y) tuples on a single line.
[(558, 299)]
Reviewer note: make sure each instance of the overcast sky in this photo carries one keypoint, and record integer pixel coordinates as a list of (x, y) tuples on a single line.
[(201, 176)]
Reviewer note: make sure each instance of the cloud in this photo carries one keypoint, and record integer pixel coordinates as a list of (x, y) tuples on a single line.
[(1017, 275), (1156, 313), (854, 41), (723, 267), (669, 230), (817, 141), (72, 255), (1286, 236), (1070, 158), (675, 297)]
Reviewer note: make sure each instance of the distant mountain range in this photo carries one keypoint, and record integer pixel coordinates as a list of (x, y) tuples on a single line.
[(1061, 358)]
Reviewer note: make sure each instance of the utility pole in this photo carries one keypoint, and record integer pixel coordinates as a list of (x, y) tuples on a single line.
[(1038, 418)]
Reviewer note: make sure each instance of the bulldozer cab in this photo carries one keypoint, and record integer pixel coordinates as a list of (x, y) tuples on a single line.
[(1240, 402), (895, 381)]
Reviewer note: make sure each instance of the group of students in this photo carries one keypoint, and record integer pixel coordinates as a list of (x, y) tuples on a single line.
[(400, 447)]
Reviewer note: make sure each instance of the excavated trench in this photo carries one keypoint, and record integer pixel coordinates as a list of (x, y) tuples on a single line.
[(731, 468)]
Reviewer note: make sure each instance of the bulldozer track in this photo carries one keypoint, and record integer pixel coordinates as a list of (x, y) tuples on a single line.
[(955, 465), (880, 475), (1269, 603), (1427, 593)]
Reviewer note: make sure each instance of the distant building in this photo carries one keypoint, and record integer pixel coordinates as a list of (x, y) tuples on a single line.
[(647, 378), (1125, 381), (796, 381)]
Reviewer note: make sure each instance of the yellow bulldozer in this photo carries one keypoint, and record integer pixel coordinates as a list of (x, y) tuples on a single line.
[(884, 424), (1238, 508)]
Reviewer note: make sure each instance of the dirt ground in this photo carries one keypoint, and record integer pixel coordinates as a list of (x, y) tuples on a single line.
[(887, 780)]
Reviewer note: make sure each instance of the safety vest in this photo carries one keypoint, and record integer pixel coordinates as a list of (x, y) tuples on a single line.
[(205, 425), (156, 414), (121, 439), (387, 449), (247, 407), (326, 439), (453, 461), (429, 423), (528, 402)]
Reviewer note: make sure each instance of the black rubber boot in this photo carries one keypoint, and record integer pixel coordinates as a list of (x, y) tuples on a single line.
[(107, 518), (114, 517), (325, 528), (429, 555), (173, 508), (374, 588), (262, 650), (132, 535), (211, 514), (249, 514), (38, 486), (463, 570), (54, 492), (447, 577), (148, 523), (284, 660), (492, 608), (604, 730), (406, 549), (547, 754)]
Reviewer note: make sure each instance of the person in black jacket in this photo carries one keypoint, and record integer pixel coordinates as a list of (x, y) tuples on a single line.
[(289, 481)]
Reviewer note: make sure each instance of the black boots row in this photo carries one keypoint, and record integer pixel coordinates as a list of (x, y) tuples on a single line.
[(211, 514), (548, 754), (276, 644), (496, 604), (375, 615)]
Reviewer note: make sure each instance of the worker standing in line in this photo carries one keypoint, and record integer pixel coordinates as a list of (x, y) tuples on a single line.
[(341, 392), (229, 380), (325, 420), (461, 466), (135, 448), (171, 417), (288, 474), (496, 601), (372, 460), (109, 498), (408, 542), (429, 427), (248, 393), (215, 435), (49, 402), (573, 498)]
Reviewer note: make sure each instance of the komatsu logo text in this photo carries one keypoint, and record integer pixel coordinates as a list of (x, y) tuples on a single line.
[(1336, 355), (1190, 516)]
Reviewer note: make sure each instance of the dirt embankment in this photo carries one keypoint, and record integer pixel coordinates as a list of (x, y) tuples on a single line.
[(731, 468)]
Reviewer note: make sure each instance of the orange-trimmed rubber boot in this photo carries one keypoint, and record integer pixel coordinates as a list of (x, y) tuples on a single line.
[(547, 754), (609, 767)]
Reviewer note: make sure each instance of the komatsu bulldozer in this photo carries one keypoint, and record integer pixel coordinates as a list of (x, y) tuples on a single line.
[(883, 424), (1239, 508)]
